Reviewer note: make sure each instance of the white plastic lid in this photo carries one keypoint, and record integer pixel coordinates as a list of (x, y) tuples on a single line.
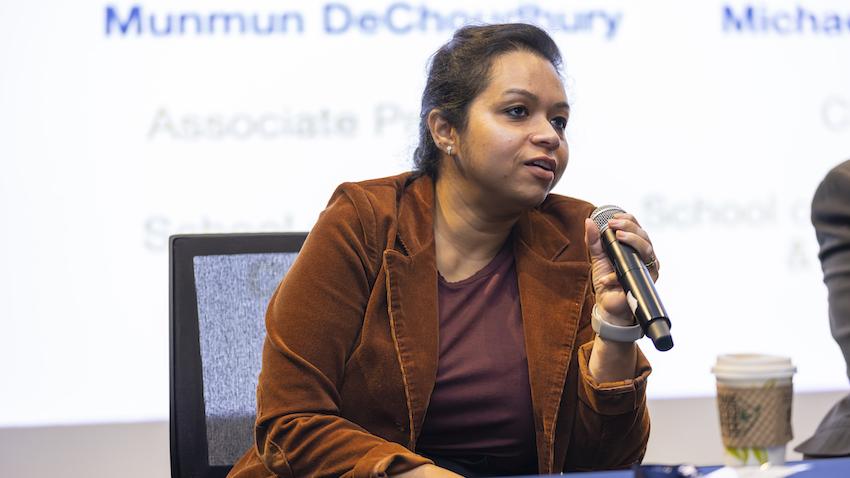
[(752, 366)]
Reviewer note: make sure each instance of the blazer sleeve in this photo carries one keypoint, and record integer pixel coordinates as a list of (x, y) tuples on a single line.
[(611, 429), (831, 219), (614, 420), (313, 323)]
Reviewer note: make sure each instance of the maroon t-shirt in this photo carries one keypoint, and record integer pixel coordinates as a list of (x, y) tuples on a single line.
[(481, 405)]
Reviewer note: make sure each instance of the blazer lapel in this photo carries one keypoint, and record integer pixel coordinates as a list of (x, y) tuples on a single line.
[(412, 299), (412, 303), (551, 297)]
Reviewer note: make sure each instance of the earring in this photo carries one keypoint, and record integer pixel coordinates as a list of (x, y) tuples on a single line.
[(449, 149)]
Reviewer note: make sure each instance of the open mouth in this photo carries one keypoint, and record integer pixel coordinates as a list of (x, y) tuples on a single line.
[(545, 164)]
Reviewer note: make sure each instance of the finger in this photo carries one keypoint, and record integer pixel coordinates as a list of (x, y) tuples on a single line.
[(628, 225), (632, 228), (609, 281), (626, 216), (591, 237), (640, 244), (644, 249), (599, 263)]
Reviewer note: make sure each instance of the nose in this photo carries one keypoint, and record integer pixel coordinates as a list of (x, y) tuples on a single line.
[(544, 135)]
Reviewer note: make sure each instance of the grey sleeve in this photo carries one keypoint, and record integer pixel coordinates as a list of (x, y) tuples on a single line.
[(831, 219)]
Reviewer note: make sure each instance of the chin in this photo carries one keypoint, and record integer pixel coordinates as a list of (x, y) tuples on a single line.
[(540, 200), (531, 200)]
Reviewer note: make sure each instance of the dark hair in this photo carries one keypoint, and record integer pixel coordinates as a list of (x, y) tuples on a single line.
[(460, 70)]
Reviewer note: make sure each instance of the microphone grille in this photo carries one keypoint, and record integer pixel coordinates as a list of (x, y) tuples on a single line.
[(602, 214)]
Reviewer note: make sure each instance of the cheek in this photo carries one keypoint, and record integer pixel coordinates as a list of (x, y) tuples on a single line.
[(510, 141), (564, 156), (509, 145), (497, 143)]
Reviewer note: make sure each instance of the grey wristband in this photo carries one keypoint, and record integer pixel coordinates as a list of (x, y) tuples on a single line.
[(616, 333)]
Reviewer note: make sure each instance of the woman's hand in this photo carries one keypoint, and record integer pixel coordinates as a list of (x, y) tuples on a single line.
[(610, 297), (615, 361), (428, 471)]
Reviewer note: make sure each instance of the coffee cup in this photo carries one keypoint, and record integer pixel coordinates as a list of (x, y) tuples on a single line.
[(754, 395)]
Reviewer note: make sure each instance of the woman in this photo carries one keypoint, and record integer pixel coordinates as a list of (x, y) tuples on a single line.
[(440, 320)]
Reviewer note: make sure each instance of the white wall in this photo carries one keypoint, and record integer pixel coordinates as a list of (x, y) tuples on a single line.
[(713, 130)]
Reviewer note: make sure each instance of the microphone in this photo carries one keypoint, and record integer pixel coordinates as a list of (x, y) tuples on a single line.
[(636, 281)]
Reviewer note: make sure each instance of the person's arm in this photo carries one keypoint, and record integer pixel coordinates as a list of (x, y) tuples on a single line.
[(611, 425), (614, 361), (313, 323), (831, 219), (611, 428)]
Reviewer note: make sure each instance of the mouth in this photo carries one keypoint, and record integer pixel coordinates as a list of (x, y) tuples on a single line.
[(547, 164)]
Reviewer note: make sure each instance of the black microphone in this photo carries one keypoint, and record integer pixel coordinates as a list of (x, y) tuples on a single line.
[(636, 281)]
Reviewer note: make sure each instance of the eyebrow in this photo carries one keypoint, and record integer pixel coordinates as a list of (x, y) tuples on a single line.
[(533, 97)]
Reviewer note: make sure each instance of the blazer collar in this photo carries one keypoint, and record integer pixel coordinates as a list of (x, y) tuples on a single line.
[(540, 235), (416, 213), (416, 222)]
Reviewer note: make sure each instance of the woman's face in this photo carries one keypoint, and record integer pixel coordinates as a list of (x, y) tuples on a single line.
[(514, 148)]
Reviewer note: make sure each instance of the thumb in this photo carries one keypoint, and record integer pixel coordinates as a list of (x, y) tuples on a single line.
[(592, 238)]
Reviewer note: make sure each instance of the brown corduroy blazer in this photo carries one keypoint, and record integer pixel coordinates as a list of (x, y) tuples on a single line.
[(350, 357)]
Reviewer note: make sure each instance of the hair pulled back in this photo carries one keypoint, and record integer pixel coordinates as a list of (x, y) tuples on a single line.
[(459, 72)]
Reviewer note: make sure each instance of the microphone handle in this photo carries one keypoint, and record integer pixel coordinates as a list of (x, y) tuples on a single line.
[(640, 290)]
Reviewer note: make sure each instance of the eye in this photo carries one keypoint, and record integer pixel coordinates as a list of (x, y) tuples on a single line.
[(518, 111), (560, 123)]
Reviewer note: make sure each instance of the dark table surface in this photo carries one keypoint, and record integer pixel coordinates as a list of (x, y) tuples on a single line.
[(826, 468)]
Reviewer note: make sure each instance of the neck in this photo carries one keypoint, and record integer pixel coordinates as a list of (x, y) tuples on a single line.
[(467, 235)]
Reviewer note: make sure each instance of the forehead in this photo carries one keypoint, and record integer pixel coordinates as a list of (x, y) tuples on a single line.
[(525, 70)]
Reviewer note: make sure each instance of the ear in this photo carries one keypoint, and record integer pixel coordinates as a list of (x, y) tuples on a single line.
[(442, 132)]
